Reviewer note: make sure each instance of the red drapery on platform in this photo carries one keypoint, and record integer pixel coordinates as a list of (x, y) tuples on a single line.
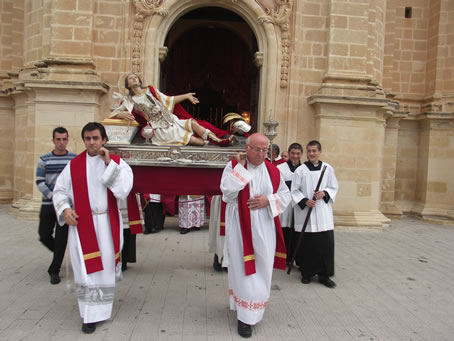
[(177, 180)]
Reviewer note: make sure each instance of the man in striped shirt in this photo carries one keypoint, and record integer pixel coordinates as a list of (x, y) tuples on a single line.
[(49, 167)]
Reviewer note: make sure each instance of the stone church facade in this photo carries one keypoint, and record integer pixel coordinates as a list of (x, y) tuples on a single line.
[(373, 80)]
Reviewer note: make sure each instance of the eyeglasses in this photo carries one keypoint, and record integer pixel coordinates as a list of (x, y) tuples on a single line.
[(258, 150)]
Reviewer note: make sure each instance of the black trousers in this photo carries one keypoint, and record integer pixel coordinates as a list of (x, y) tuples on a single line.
[(128, 254), (316, 255), (47, 224), (154, 218), (288, 233)]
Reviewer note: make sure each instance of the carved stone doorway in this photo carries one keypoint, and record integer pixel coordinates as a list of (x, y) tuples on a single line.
[(211, 52)]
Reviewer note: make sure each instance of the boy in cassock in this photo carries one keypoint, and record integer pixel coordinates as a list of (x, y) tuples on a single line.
[(295, 151), (316, 255)]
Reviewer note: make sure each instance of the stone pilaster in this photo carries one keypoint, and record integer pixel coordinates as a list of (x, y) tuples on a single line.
[(6, 148), (56, 92), (435, 184), (388, 187), (351, 131), (350, 117), (348, 38)]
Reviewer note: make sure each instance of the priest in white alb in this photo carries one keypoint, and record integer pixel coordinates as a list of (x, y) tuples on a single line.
[(256, 195), (85, 198)]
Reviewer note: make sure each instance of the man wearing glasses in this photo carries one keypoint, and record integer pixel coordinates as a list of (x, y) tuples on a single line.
[(255, 194)]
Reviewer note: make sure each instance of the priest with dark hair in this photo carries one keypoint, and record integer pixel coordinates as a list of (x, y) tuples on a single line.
[(85, 197)]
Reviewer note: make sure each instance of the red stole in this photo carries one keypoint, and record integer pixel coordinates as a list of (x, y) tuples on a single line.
[(245, 224), (135, 222), (85, 225)]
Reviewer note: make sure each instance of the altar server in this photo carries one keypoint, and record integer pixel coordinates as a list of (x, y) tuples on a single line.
[(295, 151), (85, 197), (316, 256), (255, 194)]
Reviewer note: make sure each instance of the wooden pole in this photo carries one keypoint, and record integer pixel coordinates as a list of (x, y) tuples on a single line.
[(300, 239)]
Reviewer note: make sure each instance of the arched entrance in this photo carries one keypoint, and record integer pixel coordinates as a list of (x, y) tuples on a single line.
[(211, 52)]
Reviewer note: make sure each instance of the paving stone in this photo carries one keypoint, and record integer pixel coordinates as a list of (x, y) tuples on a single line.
[(391, 285)]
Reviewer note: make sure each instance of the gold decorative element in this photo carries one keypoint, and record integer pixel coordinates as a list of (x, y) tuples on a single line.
[(144, 9), (248, 258), (92, 255), (279, 14), (232, 116), (281, 255), (247, 116), (119, 122)]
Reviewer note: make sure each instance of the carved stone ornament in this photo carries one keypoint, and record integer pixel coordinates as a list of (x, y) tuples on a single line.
[(144, 8), (278, 12), (258, 56)]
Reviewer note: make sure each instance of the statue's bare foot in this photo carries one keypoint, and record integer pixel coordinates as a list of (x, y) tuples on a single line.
[(220, 142)]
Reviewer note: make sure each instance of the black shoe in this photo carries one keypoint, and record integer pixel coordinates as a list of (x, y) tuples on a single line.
[(216, 265), (327, 282), (54, 278), (196, 228), (305, 280), (89, 328), (245, 330), (124, 267), (154, 230), (146, 231), (184, 231)]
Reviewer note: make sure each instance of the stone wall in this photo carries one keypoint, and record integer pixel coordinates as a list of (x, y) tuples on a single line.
[(376, 88)]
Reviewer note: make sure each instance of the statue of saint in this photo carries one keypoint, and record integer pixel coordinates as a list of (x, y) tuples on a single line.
[(162, 118)]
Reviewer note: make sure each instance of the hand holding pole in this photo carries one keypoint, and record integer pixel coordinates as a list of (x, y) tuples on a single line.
[(309, 210)]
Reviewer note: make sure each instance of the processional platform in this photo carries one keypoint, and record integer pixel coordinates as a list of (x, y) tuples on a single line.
[(175, 169)]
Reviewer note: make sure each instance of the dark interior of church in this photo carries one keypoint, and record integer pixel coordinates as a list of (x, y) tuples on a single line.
[(211, 52)]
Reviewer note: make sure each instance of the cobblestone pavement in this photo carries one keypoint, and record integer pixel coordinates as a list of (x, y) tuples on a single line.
[(391, 285)]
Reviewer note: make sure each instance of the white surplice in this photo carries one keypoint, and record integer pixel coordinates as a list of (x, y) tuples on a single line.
[(287, 216), (216, 242), (95, 291), (249, 295), (304, 183)]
